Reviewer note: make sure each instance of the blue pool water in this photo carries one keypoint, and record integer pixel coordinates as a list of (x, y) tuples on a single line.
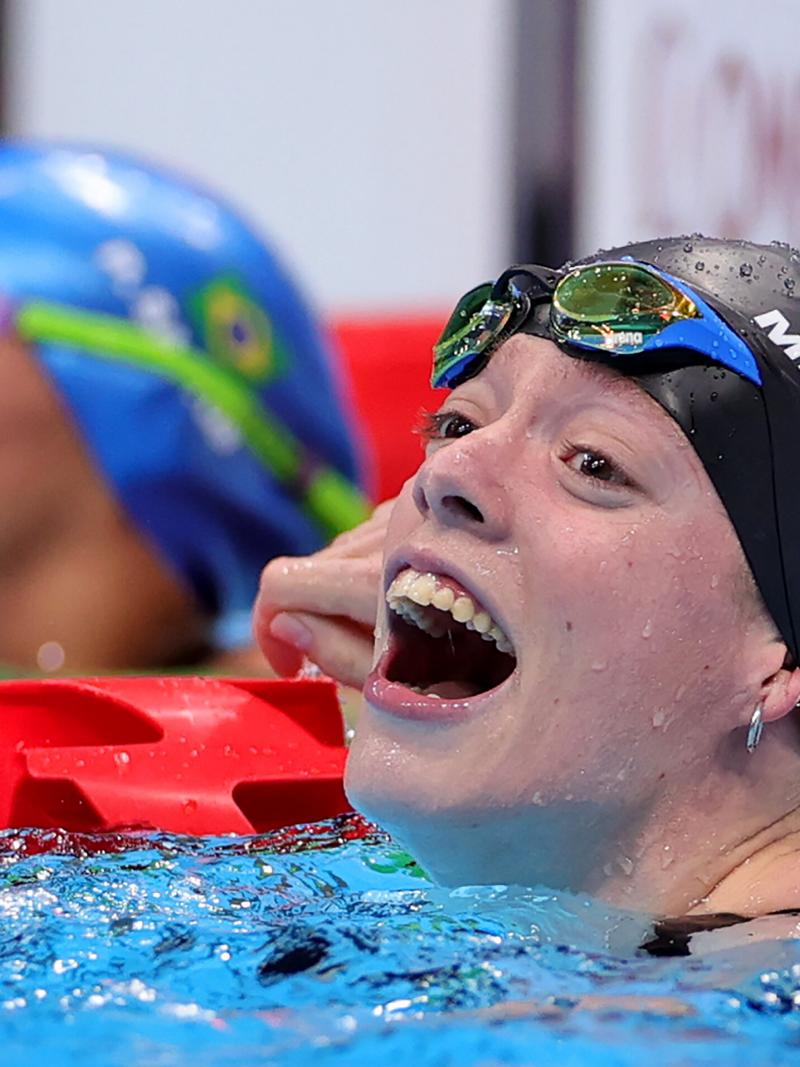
[(322, 946)]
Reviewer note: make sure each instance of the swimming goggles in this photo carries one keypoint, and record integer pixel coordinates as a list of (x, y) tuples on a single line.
[(613, 309)]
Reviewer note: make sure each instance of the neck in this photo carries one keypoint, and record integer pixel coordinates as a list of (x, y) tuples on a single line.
[(733, 844)]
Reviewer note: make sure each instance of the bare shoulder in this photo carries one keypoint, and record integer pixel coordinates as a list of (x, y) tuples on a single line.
[(784, 926), (765, 884)]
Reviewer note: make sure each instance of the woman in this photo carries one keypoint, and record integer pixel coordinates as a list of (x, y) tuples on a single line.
[(608, 498)]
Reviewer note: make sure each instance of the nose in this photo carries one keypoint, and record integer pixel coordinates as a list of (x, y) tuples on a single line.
[(462, 486)]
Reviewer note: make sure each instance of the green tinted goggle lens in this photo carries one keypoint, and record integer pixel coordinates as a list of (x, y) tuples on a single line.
[(475, 325), (615, 306)]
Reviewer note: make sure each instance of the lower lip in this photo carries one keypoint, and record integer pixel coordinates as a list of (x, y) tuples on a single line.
[(404, 703)]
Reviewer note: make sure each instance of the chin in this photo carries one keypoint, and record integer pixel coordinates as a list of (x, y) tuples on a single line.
[(384, 780), (400, 810), (401, 782), (452, 840)]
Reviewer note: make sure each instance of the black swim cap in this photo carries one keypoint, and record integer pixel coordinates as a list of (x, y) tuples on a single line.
[(746, 435)]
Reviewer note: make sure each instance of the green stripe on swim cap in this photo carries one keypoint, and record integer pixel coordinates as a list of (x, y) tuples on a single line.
[(333, 502), (333, 499)]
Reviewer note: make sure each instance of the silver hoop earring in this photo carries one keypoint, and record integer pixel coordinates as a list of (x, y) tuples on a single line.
[(755, 729)]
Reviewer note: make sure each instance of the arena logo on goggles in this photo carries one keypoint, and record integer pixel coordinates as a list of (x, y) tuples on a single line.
[(778, 335), (612, 339)]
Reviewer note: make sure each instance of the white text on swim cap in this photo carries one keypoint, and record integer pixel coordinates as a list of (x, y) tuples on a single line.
[(778, 334)]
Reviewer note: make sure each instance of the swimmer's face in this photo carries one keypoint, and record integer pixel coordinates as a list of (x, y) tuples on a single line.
[(563, 506)]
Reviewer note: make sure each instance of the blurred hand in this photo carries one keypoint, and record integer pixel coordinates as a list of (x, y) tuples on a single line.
[(323, 607)]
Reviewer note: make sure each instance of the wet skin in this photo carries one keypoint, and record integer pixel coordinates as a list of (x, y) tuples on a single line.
[(570, 506)]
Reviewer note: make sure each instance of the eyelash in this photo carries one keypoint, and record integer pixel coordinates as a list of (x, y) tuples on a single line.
[(434, 425), (619, 477)]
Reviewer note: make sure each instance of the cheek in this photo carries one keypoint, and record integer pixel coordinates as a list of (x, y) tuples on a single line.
[(686, 577), (632, 570), (641, 603)]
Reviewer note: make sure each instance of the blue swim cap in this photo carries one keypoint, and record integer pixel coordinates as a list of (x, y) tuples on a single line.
[(199, 380)]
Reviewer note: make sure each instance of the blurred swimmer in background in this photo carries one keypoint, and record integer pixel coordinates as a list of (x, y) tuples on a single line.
[(170, 415)]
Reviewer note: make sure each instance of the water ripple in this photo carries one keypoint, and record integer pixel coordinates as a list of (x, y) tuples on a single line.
[(164, 950)]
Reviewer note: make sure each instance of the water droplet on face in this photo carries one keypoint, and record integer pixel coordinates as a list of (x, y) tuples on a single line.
[(789, 283), (658, 719), (625, 864), (700, 265), (666, 857), (600, 665), (688, 247), (714, 396), (122, 759), (745, 269), (648, 629), (679, 693), (714, 581)]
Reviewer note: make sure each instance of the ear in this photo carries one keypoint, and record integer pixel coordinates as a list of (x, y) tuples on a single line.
[(780, 692)]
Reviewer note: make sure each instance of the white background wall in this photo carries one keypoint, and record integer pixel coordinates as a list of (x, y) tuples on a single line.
[(690, 120), (368, 137)]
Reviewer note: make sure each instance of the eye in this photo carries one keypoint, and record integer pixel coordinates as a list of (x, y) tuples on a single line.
[(444, 425), (595, 465)]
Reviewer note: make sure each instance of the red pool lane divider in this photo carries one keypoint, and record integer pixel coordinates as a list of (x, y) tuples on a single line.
[(184, 754), (388, 364)]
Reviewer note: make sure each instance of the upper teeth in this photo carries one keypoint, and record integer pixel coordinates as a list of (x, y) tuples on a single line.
[(411, 592)]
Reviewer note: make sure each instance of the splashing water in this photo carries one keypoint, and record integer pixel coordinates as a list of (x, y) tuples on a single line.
[(328, 942)]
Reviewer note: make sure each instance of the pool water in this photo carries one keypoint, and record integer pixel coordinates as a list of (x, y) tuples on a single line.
[(327, 945)]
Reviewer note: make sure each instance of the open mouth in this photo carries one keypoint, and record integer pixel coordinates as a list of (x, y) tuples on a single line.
[(443, 644)]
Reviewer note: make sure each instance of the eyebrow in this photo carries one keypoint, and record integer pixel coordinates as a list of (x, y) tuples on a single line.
[(614, 385), (611, 381)]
